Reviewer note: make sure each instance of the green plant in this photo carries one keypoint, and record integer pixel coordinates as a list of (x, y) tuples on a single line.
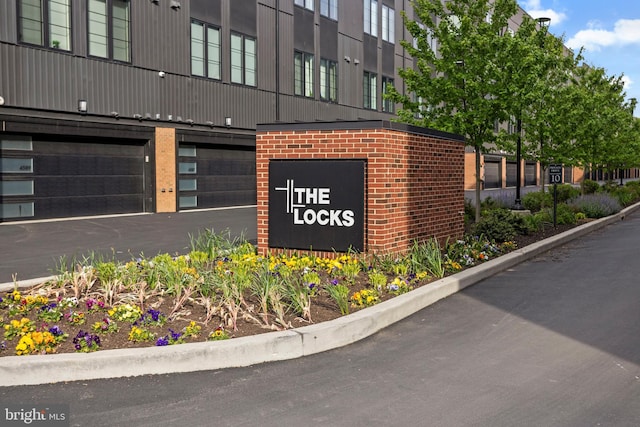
[(537, 200), (469, 212), (564, 214), (340, 294), (489, 204), (218, 335), (264, 286), (589, 187), (496, 225), (137, 334), (624, 194), (399, 286), (565, 192), (377, 279), (426, 256), (351, 269), (365, 298), (596, 205), (299, 290), (215, 244)]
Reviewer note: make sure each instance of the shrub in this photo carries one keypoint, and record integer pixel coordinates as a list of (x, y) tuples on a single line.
[(469, 211), (533, 222), (634, 187), (501, 225), (537, 200), (564, 214), (491, 203), (566, 192), (609, 186), (624, 195), (596, 205), (589, 187)]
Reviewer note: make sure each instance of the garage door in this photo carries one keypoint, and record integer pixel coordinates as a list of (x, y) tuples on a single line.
[(59, 178), (214, 176), (492, 174)]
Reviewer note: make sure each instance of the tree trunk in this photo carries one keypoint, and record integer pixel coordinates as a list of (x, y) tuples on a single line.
[(478, 183)]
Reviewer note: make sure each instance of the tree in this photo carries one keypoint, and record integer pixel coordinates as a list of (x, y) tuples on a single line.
[(606, 138), (546, 105), (457, 82)]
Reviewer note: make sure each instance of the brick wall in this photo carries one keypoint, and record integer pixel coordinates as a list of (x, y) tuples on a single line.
[(414, 177), (165, 170)]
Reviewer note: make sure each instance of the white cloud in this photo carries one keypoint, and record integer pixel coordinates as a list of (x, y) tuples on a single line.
[(628, 82), (535, 10), (625, 31)]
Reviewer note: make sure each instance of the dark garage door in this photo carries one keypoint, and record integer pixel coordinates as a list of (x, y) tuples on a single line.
[(87, 178), (492, 174), (216, 176)]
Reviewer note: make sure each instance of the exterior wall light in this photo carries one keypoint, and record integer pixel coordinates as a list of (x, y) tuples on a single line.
[(227, 121), (82, 106)]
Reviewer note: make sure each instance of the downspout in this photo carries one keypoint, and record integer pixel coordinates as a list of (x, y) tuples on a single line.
[(277, 60)]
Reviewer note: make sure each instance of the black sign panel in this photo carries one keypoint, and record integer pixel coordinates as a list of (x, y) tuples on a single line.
[(555, 174), (316, 204)]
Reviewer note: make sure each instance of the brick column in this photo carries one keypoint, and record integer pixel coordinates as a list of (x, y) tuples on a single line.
[(166, 170), (414, 186)]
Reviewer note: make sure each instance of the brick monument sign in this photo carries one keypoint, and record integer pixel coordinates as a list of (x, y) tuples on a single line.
[(369, 186)]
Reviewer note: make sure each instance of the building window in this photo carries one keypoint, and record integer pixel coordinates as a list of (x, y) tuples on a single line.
[(188, 202), (243, 60), (307, 4), (187, 185), (109, 28), (46, 23), (329, 8), (328, 80), (16, 210), (388, 24), (11, 165), (369, 91), (16, 188), (303, 74), (187, 151), (205, 51), (187, 168), (387, 104), (371, 17)]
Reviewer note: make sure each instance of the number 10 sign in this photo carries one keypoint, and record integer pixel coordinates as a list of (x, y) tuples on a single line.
[(555, 174)]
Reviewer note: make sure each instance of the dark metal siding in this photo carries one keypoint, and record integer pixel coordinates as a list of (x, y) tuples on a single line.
[(207, 11), (329, 39), (8, 22), (53, 81)]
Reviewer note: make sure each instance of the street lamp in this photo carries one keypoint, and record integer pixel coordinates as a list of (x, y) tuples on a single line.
[(544, 24)]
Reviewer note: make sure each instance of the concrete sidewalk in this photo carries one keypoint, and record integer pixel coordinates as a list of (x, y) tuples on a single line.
[(22, 370)]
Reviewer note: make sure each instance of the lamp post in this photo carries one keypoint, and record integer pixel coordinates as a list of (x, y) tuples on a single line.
[(544, 23)]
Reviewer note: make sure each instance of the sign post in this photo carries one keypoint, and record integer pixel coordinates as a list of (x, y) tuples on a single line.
[(555, 178)]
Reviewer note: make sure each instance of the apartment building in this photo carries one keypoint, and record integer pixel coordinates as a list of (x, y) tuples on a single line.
[(121, 106)]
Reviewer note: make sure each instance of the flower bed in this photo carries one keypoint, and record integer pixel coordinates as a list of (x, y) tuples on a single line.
[(220, 290)]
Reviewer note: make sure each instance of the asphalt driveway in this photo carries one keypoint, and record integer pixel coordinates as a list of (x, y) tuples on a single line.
[(34, 249)]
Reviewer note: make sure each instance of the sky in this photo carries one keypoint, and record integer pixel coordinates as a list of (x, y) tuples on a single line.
[(609, 31)]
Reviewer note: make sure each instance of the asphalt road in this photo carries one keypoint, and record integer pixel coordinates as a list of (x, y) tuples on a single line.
[(551, 342), (34, 249)]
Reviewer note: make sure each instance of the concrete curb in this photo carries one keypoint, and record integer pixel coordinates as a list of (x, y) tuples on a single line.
[(269, 347)]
